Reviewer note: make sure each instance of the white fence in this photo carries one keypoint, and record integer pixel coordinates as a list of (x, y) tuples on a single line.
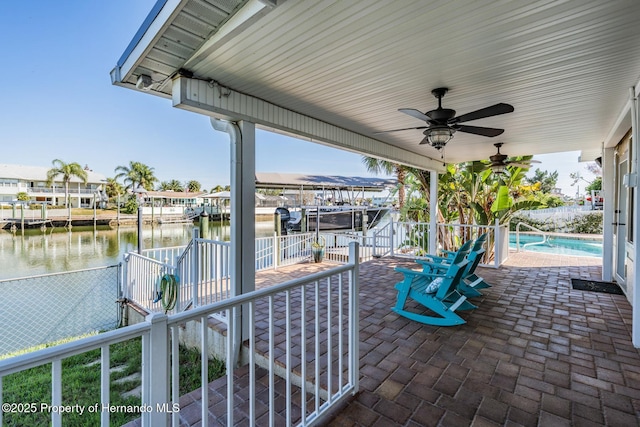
[(317, 316), (202, 267), (411, 239), (141, 281)]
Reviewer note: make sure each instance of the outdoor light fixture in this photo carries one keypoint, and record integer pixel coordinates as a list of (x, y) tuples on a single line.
[(438, 136), (498, 169), (144, 82)]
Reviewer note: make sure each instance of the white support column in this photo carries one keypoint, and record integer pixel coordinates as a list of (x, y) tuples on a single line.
[(159, 370), (433, 212), (608, 187), (243, 253), (243, 212), (635, 283)]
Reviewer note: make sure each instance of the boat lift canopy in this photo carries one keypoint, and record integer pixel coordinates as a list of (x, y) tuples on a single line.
[(322, 182)]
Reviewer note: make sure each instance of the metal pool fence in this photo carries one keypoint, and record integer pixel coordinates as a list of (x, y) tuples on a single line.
[(42, 309)]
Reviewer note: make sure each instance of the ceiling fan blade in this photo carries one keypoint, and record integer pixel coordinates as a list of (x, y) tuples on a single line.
[(477, 130), (518, 165), (493, 110), (425, 140), (398, 130), (415, 113)]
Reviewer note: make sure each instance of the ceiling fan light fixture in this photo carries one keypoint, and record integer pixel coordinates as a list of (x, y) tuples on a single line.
[(499, 169), (439, 136)]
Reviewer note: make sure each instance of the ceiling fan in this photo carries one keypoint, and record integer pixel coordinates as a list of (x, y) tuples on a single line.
[(442, 123), (499, 161)]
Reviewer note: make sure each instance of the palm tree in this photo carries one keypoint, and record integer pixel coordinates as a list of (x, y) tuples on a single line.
[(136, 174), (378, 166), (193, 186), (67, 171), (173, 185), (113, 188)]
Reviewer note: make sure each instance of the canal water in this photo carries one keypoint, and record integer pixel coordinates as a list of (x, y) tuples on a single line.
[(56, 250)]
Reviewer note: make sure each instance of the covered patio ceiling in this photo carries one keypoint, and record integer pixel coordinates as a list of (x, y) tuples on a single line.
[(565, 66)]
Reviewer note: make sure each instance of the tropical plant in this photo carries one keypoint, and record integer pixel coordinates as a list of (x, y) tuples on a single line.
[(378, 166), (113, 188), (130, 205), (193, 186), (547, 180), (216, 189), (136, 174), (595, 185), (22, 196), (66, 171), (173, 185)]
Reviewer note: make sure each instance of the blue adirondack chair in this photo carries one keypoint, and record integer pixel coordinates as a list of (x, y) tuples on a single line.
[(470, 282), (443, 300)]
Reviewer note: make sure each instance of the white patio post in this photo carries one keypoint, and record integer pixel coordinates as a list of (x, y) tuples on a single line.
[(243, 189), (635, 324), (608, 186), (433, 209), (158, 379)]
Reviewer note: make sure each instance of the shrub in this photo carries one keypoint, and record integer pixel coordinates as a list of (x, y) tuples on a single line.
[(540, 225), (590, 223)]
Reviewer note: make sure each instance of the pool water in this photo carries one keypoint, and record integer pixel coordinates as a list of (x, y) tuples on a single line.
[(558, 245)]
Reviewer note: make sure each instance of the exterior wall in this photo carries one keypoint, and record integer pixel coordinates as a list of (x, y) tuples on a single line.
[(16, 179)]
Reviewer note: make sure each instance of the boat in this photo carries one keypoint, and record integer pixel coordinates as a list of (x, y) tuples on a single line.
[(341, 203), (331, 218)]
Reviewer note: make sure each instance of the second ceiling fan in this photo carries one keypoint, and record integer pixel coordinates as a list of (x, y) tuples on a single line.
[(442, 123), (499, 161)]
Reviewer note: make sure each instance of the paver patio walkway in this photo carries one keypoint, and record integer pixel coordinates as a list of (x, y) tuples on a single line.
[(534, 353)]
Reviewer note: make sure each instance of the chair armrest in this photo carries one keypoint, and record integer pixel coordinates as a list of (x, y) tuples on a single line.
[(433, 259), (410, 272), (433, 265)]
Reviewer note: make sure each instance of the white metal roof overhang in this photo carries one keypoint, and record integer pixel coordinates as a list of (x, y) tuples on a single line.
[(337, 72), (320, 182)]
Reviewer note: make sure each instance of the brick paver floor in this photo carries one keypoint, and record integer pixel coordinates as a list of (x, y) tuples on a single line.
[(534, 353)]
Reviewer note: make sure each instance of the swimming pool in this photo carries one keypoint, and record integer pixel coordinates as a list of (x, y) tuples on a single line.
[(558, 245)]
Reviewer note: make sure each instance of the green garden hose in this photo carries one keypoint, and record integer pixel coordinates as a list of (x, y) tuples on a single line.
[(169, 291)]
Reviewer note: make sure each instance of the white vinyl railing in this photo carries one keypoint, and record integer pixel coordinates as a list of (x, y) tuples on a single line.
[(318, 360), (276, 251), (166, 255), (206, 271), (412, 239), (382, 240), (203, 265), (54, 356), (141, 281)]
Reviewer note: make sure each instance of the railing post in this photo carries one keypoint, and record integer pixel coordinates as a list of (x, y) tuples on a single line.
[(158, 380), (194, 267), (497, 244), (391, 233), (373, 244), (354, 316), (276, 250)]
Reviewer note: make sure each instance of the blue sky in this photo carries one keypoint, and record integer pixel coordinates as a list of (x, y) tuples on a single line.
[(58, 102)]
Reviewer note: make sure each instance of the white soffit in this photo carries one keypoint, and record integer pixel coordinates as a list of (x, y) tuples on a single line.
[(566, 66)]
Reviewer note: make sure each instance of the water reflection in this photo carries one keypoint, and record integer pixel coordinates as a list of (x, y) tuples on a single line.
[(54, 250)]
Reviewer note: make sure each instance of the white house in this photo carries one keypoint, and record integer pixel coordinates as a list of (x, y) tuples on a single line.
[(32, 180)]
